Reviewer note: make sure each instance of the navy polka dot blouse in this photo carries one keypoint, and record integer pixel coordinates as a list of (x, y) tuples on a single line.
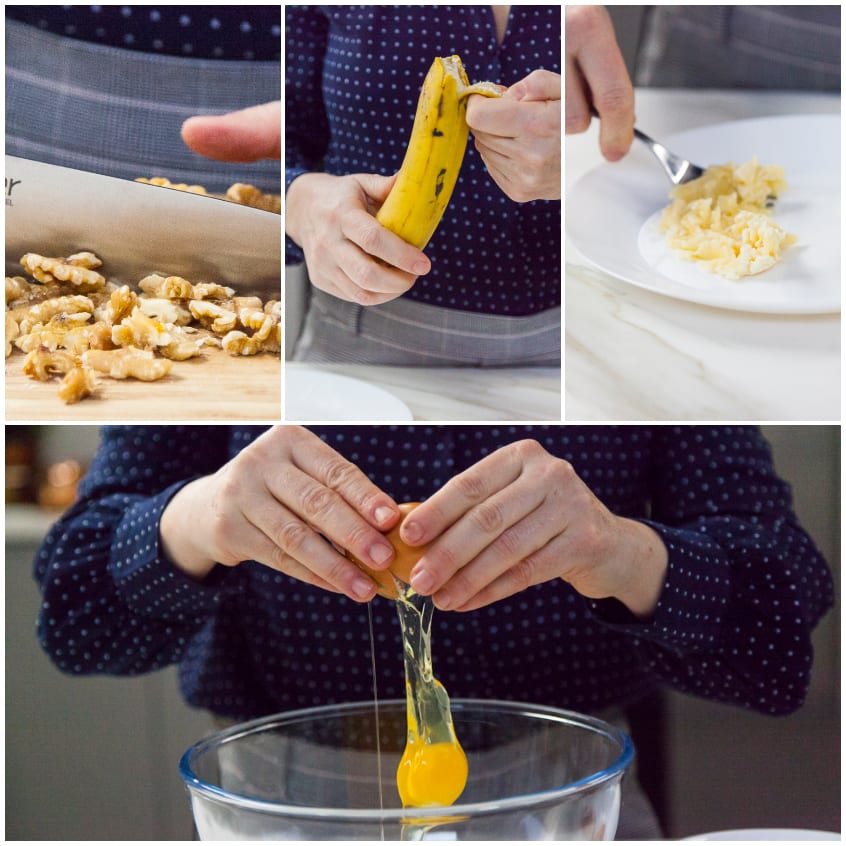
[(745, 584), (243, 33), (352, 79)]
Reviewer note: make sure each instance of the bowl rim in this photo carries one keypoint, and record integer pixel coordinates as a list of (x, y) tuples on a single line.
[(217, 794)]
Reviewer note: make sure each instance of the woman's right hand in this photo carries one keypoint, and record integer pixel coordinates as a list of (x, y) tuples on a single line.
[(348, 253), (278, 502), (597, 77)]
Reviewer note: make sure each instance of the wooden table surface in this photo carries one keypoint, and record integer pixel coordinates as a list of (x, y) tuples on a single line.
[(213, 387)]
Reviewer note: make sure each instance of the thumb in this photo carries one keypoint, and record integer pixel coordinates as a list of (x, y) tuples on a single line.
[(376, 187), (243, 136), (538, 85)]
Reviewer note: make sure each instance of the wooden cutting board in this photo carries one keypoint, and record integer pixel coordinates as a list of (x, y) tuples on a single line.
[(213, 387)]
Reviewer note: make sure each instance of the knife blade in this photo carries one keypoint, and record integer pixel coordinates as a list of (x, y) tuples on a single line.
[(137, 229)]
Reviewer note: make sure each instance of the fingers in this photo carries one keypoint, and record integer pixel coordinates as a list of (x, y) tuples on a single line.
[(538, 85), (332, 496), (496, 528), (498, 536), (517, 561), (287, 543), (597, 75), (265, 551), (531, 171), (577, 104), (464, 516), (519, 137), (504, 115), (348, 252), (242, 136), (351, 274), (613, 99), (287, 498), (434, 516)]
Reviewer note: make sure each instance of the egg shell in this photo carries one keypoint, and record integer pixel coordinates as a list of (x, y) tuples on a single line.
[(405, 557)]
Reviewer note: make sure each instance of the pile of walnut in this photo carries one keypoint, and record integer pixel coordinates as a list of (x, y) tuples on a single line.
[(73, 323), (244, 195)]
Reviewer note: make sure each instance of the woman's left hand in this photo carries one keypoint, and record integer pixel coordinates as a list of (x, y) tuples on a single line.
[(519, 136), (520, 517)]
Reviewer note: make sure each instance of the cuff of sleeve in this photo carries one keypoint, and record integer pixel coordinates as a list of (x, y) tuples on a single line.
[(694, 600), (293, 253), (149, 582)]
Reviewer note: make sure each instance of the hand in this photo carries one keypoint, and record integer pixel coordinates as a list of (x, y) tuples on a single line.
[(519, 136), (597, 76), (520, 517), (271, 503), (243, 136), (349, 254)]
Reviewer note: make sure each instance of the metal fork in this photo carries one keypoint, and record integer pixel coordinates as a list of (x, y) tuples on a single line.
[(678, 169)]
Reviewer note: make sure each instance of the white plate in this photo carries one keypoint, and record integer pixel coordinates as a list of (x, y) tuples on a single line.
[(612, 211), (797, 835), (312, 395)]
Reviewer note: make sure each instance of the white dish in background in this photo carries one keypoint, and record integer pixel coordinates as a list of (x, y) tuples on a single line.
[(612, 214), (314, 395), (743, 834)]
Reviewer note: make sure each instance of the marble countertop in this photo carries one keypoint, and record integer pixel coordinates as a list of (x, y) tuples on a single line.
[(453, 394), (631, 354)]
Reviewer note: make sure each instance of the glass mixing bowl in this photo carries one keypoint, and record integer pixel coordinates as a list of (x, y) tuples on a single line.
[(536, 773)]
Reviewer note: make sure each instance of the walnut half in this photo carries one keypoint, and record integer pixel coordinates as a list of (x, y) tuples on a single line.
[(128, 363)]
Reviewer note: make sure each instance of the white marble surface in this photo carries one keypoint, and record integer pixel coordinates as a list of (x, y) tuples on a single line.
[(634, 355), (462, 394)]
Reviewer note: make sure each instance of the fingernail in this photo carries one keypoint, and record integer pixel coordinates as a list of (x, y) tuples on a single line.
[(412, 532), (420, 268), (363, 588), (380, 552), (422, 581), (384, 513)]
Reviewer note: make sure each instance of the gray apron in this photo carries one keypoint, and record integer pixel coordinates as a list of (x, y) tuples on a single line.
[(776, 47), (119, 112), (406, 332)]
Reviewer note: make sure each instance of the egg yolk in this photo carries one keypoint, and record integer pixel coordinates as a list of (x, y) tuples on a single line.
[(431, 773)]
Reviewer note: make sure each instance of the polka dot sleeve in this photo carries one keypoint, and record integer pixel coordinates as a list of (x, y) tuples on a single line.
[(743, 589), (111, 601), (147, 581)]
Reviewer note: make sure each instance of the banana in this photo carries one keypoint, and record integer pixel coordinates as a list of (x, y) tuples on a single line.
[(419, 197)]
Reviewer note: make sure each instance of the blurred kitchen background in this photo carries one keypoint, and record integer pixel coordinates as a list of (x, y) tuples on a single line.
[(96, 758)]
